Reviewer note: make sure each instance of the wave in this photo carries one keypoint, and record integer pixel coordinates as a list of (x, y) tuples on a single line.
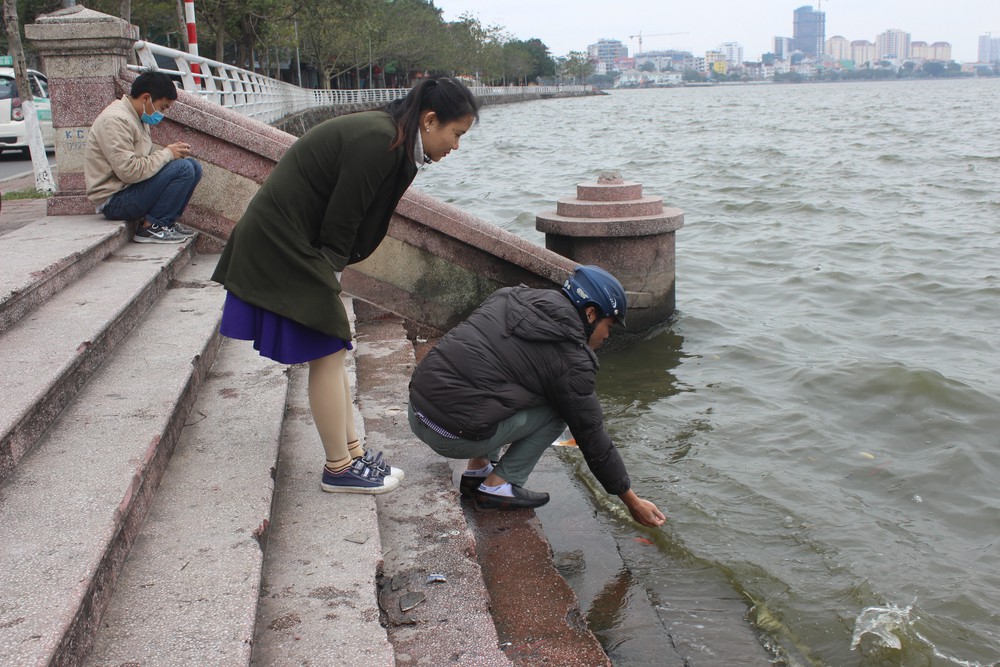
[(889, 635), (979, 158)]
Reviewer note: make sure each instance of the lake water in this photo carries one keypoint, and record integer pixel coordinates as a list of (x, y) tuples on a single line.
[(821, 421)]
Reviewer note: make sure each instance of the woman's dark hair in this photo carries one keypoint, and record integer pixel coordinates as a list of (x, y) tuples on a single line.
[(448, 98), (157, 84)]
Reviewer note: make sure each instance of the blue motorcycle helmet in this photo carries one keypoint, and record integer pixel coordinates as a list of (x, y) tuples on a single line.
[(593, 286)]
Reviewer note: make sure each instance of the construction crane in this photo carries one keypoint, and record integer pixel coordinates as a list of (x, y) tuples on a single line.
[(662, 34)]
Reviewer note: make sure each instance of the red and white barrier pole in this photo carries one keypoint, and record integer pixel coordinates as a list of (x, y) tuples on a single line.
[(192, 33)]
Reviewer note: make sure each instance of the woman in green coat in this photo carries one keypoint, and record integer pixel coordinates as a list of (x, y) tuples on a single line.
[(327, 204)]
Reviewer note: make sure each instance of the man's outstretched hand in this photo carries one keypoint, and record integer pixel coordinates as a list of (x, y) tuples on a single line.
[(643, 511)]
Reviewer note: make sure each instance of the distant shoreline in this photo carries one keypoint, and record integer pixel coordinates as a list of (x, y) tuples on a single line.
[(713, 84)]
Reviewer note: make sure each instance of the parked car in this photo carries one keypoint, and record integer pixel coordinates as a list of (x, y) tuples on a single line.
[(13, 132)]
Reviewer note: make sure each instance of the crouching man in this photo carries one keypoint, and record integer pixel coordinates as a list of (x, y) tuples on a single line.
[(516, 372)]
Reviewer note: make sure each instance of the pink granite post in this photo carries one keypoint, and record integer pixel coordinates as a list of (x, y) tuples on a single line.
[(611, 224)]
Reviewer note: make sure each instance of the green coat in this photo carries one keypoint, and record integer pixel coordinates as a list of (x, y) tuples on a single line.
[(326, 204)]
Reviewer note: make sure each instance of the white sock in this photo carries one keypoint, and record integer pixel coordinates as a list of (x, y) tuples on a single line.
[(501, 490), (481, 472)]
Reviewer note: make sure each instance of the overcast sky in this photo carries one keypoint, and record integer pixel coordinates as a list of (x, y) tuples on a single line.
[(570, 25)]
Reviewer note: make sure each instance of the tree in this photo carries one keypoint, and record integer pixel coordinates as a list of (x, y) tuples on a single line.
[(464, 49), (542, 64), (578, 66), (413, 35), (159, 21), (213, 15), (602, 81), (324, 39), (350, 41), (517, 62), (492, 63), (933, 68), (790, 77)]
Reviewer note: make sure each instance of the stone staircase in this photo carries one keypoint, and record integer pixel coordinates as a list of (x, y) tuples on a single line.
[(138, 453), (105, 345), (158, 484)]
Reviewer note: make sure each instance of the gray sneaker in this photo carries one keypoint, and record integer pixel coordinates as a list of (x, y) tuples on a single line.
[(156, 234), (183, 230)]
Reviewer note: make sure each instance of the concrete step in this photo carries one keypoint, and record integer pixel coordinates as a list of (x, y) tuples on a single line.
[(70, 511), (422, 525), (188, 591), (49, 354), (44, 256), (324, 552)]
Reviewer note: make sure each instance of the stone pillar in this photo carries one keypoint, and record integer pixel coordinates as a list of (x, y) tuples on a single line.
[(84, 53), (611, 224)]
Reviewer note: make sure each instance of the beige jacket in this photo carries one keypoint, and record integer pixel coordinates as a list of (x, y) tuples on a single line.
[(119, 152)]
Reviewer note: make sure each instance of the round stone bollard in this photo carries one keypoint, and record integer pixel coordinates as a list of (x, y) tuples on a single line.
[(611, 224)]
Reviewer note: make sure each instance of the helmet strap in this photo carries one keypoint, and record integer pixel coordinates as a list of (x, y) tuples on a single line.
[(588, 326)]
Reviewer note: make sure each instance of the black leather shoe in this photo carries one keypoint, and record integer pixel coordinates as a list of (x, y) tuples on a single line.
[(521, 500), (469, 483)]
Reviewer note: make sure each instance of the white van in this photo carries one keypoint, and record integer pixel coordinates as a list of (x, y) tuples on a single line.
[(13, 135)]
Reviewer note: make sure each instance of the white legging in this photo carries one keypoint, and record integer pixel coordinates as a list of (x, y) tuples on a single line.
[(332, 406)]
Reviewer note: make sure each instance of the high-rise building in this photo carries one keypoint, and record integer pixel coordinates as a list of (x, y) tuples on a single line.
[(940, 51), (935, 51), (711, 58), (809, 31), (989, 48), (862, 51), (732, 52), (892, 45), (608, 51), (782, 47), (838, 48)]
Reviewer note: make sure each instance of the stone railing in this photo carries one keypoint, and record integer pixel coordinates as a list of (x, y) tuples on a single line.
[(269, 100)]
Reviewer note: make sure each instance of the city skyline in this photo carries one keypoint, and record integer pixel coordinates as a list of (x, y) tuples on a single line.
[(705, 27)]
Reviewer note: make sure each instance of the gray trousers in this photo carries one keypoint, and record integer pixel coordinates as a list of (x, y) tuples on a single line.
[(529, 432)]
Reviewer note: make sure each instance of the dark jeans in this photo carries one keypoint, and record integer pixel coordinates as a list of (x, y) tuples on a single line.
[(160, 199)]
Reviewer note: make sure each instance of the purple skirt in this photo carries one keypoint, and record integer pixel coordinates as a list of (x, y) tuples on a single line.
[(274, 336)]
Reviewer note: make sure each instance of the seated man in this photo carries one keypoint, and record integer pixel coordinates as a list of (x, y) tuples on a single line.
[(517, 371), (125, 178)]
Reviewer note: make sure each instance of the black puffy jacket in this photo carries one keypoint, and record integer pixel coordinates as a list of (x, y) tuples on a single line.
[(522, 348)]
